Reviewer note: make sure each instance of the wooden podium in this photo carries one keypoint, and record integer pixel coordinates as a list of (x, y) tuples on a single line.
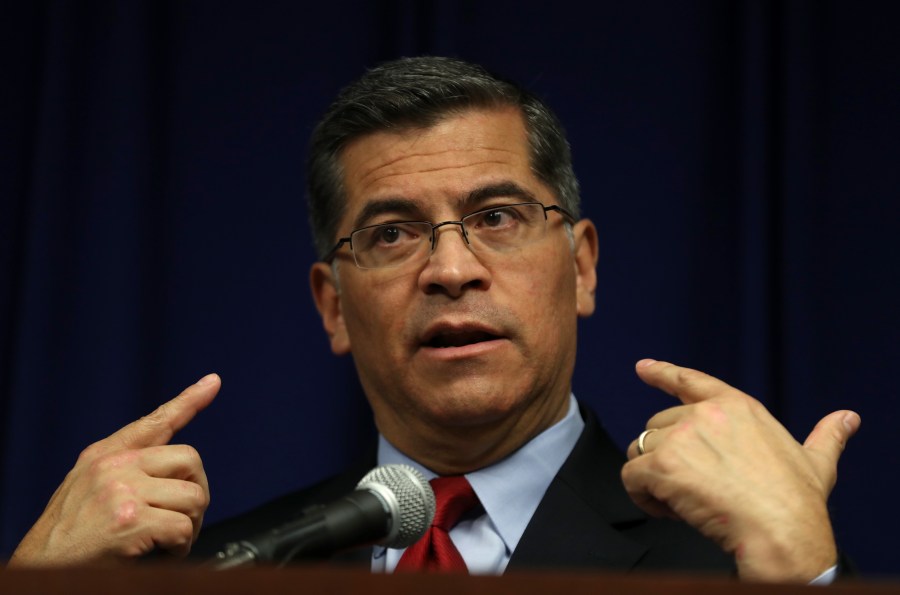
[(185, 580)]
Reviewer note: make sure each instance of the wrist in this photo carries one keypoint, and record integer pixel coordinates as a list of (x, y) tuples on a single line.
[(787, 557)]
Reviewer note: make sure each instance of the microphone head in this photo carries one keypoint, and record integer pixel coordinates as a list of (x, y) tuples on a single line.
[(409, 499)]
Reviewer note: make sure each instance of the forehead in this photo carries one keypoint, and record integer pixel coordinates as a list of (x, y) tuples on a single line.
[(437, 167)]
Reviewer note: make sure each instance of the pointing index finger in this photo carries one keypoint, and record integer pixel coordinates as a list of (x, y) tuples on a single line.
[(686, 384), (157, 428)]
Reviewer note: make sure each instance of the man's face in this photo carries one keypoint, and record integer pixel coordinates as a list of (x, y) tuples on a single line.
[(477, 347)]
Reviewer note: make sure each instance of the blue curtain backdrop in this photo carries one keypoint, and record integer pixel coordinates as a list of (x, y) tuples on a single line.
[(739, 159)]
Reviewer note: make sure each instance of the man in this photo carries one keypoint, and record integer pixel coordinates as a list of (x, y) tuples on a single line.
[(454, 269)]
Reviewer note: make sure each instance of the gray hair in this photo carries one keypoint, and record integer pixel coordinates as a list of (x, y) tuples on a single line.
[(418, 93)]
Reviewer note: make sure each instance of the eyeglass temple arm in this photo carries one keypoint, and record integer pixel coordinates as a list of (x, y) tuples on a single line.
[(333, 252), (562, 212)]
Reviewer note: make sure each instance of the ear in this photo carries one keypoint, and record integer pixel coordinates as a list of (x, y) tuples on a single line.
[(586, 252), (328, 301)]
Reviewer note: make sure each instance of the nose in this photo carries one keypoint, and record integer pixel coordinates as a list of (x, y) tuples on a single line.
[(452, 267)]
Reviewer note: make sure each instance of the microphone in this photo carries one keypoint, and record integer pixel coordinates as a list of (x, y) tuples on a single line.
[(393, 505)]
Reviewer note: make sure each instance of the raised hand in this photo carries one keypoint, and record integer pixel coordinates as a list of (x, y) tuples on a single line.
[(128, 493), (723, 464)]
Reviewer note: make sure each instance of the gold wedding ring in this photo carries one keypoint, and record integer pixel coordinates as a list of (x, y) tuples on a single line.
[(643, 437)]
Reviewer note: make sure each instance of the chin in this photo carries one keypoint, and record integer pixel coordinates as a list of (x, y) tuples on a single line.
[(471, 409)]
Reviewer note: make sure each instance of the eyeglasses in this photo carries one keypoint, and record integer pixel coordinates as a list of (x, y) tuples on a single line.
[(498, 228)]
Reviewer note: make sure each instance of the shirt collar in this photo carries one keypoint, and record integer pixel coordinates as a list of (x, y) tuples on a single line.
[(511, 489)]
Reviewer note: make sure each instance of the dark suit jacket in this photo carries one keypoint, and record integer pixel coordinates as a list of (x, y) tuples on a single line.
[(585, 520)]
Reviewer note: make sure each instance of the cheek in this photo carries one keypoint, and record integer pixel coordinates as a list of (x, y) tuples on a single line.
[(550, 290), (542, 296), (374, 312), (557, 303)]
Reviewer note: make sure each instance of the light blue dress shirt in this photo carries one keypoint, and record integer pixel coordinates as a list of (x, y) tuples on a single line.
[(509, 491)]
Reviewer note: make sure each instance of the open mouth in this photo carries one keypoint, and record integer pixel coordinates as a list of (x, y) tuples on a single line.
[(459, 338)]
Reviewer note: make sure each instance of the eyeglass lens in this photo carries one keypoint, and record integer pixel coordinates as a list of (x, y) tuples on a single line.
[(496, 229)]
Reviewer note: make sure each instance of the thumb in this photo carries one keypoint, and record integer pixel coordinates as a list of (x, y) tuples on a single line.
[(157, 428), (830, 436)]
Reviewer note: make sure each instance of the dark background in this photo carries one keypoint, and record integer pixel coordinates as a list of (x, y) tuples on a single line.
[(738, 158)]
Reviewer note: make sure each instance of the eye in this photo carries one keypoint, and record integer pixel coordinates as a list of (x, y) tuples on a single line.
[(388, 234), (495, 218), (499, 219)]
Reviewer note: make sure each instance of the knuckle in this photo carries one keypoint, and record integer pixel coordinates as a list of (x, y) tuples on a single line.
[(98, 466), (631, 476), (665, 491), (159, 417), (112, 462), (627, 473), (183, 530), (91, 452), (133, 549), (189, 453), (198, 495), (709, 408), (744, 408), (753, 406), (125, 515), (688, 377), (117, 495), (666, 461), (733, 406), (714, 413)]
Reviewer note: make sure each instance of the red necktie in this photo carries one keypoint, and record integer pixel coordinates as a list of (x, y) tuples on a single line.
[(434, 551)]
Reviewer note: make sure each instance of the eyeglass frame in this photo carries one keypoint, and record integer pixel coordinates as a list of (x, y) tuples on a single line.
[(332, 254)]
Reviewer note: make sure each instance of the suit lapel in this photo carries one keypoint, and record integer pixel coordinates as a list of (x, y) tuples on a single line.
[(579, 520)]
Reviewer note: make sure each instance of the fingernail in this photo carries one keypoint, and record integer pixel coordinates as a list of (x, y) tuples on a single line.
[(645, 362), (208, 379), (851, 421)]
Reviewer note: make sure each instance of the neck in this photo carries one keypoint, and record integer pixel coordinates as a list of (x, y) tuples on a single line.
[(456, 450)]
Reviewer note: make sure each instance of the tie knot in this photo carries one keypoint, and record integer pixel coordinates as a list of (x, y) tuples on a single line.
[(454, 497)]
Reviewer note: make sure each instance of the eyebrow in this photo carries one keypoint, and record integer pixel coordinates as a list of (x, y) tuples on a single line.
[(405, 207), (373, 208), (476, 197)]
